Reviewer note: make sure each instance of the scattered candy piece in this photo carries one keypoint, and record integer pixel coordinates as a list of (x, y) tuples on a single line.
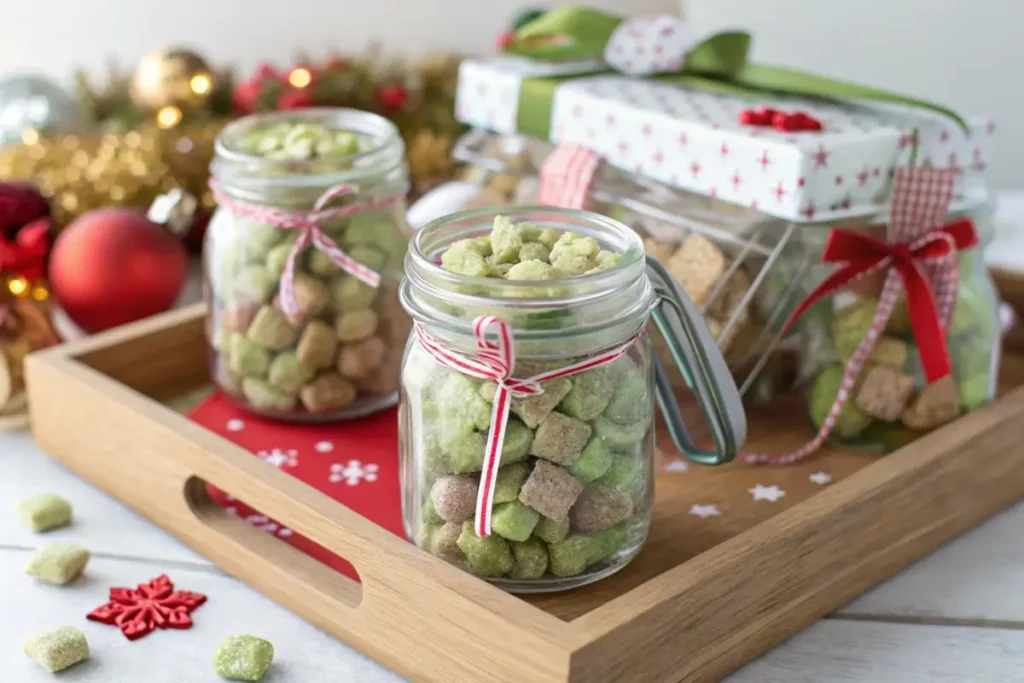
[(57, 563), (44, 511), (57, 649), (243, 658), (139, 611)]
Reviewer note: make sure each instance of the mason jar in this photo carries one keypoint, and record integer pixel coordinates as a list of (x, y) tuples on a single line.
[(302, 262), (573, 489), (891, 404)]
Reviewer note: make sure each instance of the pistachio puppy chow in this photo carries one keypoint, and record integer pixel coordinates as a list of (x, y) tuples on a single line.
[(43, 512), (57, 649)]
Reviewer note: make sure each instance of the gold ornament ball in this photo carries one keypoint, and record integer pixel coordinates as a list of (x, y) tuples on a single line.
[(172, 79)]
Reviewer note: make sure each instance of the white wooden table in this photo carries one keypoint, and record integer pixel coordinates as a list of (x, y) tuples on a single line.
[(956, 616)]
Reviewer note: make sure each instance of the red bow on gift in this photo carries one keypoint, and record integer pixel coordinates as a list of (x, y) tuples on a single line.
[(25, 254), (861, 255)]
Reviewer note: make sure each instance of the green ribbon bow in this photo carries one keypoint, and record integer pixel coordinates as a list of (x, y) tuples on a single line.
[(717, 64)]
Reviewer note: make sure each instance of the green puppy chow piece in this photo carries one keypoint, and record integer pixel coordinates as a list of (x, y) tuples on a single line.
[(620, 436), (551, 531), (261, 395), (246, 359), (569, 264), (518, 438), (530, 232), (429, 513), (243, 658), (464, 450), (514, 520), (510, 480), (852, 420), (260, 239), (576, 245), (506, 240), (372, 228), (57, 649), (631, 401), (599, 508), (252, 284), (975, 391), (590, 394), (271, 330), (464, 257), (489, 556), (604, 260), (483, 245), (277, 259), (321, 264), (533, 251), (348, 293), (560, 439), (626, 473), (531, 270), (531, 559), (534, 409), (288, 373), (569, 557), (549, 238), (45, 511), (370, 257), (459, 396), (435, 460), (444, 541), (57, 563), (595, 460)]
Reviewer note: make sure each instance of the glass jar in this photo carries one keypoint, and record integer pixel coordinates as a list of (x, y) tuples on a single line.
[(891, 404), (329, 345), (573, 496)]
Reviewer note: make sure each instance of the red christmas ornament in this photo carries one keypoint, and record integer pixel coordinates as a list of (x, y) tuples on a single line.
[(392, 97), (25, 255), (139, 611), (296, 98), (20, 204), (114, 266)]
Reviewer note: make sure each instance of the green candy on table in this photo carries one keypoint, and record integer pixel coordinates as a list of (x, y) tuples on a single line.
[(243, 658), (852, 420), (57, 563), (43, 512), (57, 649)]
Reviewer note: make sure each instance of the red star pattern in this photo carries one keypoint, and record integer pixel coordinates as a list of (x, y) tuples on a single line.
[(658, 158), (683, 139), (944, 136), (839, 180), (764, 160), (695, 169), (780, 192), (801, 182), (736, 180), (725, 150), (623, 147), (808, 211), (862, 177), (821, 157), (141, 610), (647, 130)]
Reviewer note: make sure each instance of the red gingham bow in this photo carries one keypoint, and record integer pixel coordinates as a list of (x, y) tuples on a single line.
[(309, 224), (495, 361), (920, 259)]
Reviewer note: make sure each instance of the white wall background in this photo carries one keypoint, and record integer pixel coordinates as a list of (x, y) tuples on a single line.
[(967, 53)]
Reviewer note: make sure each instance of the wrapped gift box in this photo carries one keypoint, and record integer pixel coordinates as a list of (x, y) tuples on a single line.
[(693, 140)]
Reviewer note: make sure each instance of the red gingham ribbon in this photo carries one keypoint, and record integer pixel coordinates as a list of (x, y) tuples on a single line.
[(920, 258), (567, 175), (495, 360), (309, 224)]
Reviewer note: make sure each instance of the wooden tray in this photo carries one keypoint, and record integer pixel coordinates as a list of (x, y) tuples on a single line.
[(705, 596)]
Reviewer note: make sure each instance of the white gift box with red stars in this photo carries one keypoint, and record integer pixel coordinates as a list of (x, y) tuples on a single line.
[(694, 140)]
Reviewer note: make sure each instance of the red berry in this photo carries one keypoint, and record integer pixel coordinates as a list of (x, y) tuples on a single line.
[(246, 96), (392, 97), (768, 114), (266, 72), (807, 122), (296, 98), (783, 121), (337, 63), (505, 39)]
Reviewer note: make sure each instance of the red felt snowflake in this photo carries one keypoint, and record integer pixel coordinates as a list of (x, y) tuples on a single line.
[(139, 611)]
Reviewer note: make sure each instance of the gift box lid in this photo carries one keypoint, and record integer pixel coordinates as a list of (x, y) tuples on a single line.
[(693, 140)]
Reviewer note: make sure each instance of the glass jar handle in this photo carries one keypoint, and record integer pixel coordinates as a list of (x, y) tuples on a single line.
[(696, 353)]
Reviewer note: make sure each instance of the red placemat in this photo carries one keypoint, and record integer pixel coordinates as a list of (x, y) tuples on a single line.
[(355, 463)]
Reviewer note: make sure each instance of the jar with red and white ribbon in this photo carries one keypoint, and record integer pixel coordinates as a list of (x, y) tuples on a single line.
[(302, 261), (527, 416)]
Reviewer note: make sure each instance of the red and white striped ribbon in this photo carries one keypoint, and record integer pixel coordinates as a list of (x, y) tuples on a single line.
[(920, 201), (567, 175), (494, 361), (309, 225)]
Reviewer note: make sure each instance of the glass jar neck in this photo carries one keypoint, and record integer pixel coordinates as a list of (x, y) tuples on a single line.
[(377, 170), (583, 313)]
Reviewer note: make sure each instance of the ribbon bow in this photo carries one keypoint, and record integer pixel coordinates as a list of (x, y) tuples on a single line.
[(920, 261), (495, 361), (664, 46), (309, 225)]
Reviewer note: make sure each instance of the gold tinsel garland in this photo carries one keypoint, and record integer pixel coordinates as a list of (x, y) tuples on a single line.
[(156, 128)]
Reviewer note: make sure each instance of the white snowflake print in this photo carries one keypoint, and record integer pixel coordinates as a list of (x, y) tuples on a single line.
[(677, 466), (353, 472), (769, 493), (821, 478), (265, 524), (705, 511), (279, 458), (324, 446), (235, 425)]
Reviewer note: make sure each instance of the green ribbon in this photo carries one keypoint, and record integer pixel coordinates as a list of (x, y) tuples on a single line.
[(718, 64)]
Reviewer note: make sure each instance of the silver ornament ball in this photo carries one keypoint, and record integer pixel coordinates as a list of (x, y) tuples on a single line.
[(35, 102)]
